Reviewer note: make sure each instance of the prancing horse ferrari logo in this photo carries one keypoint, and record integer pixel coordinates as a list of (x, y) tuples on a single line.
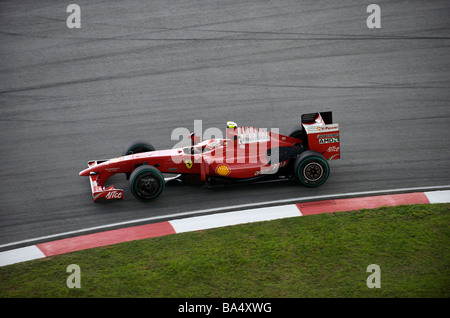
[(188, 163)]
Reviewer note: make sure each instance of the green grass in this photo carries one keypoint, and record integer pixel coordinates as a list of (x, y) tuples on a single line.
[(322, 255)]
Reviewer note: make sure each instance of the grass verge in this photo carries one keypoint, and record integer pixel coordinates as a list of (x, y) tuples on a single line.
[(324, 255)]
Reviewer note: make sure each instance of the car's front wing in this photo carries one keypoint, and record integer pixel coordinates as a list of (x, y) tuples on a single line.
[(100, 193)]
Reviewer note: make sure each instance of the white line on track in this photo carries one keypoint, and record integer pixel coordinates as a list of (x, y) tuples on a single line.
[(228, 208)]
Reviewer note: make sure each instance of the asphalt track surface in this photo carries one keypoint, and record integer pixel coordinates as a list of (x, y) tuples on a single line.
[(139, 69)]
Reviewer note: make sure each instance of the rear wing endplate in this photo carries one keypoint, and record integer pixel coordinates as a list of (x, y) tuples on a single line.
[(323, 135)]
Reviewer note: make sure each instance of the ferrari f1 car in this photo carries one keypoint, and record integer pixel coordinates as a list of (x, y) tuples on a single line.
[(247, 154)]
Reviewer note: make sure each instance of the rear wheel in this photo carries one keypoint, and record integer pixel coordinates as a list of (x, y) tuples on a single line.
[(311, 169), (297, 132), (146, 183)]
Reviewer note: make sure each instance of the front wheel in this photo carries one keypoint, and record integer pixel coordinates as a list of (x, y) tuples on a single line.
[(311, 169), (138, 147), (146, 183)]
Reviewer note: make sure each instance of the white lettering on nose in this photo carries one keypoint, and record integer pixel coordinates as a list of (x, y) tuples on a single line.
[(114, 195)]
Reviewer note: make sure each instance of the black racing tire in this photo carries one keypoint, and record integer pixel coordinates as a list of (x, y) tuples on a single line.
[(146, 183), (311, 168), (138, 147), (297, 132)]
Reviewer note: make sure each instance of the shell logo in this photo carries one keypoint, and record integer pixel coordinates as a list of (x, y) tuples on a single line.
[(223, 170)]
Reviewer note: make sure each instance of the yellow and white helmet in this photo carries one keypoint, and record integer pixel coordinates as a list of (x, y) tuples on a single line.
[(231, 124)]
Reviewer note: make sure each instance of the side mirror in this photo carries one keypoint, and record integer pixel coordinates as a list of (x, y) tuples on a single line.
[(192, 137)]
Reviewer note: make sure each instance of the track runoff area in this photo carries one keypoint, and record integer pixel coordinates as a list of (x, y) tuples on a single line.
[(214, 218)]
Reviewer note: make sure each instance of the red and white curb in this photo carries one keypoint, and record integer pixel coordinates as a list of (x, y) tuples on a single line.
[(197, 223)]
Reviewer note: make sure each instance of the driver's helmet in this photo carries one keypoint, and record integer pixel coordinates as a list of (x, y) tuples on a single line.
[(231, 124)]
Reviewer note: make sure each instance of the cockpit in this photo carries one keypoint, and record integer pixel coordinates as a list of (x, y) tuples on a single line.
[(203, 147)]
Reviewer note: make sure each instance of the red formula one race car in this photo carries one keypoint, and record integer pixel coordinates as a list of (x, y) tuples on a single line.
[(247, 154)]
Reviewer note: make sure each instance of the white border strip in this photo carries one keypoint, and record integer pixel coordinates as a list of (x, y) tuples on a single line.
[(232, 207), (438, 196), (233, 218), (22, 254)]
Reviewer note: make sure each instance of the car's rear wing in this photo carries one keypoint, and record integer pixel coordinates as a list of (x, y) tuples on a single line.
[(322, 134)]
